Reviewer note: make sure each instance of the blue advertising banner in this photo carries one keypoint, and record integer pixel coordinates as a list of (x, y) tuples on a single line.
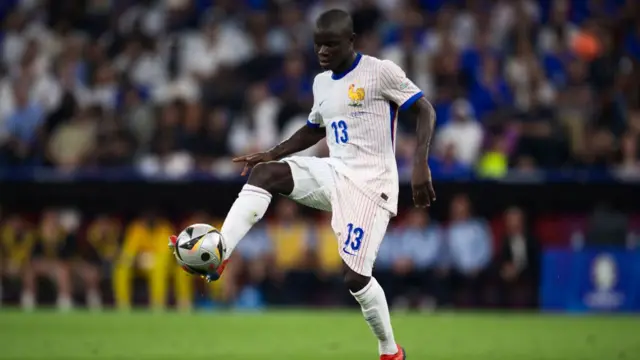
[(591, 280)]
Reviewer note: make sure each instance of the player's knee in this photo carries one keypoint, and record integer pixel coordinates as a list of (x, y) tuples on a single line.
[(273, 177), (263, 176), (354, 281)]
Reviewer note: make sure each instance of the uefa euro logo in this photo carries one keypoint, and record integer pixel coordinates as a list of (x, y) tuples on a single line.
[(604, 277)]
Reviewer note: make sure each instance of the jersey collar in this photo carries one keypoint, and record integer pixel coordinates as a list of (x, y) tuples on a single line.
[(338, 76)]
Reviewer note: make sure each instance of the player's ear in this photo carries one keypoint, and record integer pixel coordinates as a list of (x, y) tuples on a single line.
[(352, 38)]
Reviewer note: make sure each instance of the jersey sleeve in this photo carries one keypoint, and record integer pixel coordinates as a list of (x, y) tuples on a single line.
[(396, 87), (315, 119)]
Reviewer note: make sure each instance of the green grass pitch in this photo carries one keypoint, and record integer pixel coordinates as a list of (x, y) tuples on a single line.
[(307, 335)]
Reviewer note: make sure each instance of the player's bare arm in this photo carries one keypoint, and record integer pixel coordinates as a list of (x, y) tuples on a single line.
[(421, 184), (303, 139)]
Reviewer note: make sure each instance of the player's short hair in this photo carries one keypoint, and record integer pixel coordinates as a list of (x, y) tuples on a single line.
[(335, 17)]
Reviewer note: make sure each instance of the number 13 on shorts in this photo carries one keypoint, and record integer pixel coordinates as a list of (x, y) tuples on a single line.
[(354, 239)]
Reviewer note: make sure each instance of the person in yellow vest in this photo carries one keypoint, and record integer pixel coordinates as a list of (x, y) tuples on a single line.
[(329, 262), (98, 253), (290, 271), (51, 257), (17, 238), (144, 253), (494, 163)]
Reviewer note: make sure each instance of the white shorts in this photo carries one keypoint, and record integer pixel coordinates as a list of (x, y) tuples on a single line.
[(358, 222)]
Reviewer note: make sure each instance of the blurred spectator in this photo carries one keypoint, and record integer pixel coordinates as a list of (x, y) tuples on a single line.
[(149, 15), (527, 79), (448, 80), (259, 127), (250, 268), (165, 157), (463, 132), (114, 143), (629, 166), (383, 269), (72, 144), (217, 44), (141, 255), (518, 262), (607, 226), (208, 142), (103, 91), (494, 162), (51, 258), (21, 128), (419, 273), (98, 255), (139, 120), (291, 32), (489, 93), (141, 64), (447, 165), (291, 243), (559, 31), (470, 250), (18, 238), (329, 263), (575, 106), (294, 85)]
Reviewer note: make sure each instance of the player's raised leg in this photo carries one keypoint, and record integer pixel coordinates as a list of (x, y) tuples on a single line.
[(253, 200), (360, 225)]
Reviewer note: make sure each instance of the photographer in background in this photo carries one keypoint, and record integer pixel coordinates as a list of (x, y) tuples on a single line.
[(98, 254), (142, 254), (54, 246), (17, 238), (518, 262)]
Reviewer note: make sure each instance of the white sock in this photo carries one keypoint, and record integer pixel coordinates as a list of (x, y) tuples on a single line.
[(248, 209), (94, 300), (64, 303), (28, 301), (376, 312)]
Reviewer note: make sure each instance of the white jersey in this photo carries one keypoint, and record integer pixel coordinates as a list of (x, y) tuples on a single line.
[(359, 110)]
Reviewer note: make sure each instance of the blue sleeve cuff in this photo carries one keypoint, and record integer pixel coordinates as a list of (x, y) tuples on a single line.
[(410, 101), (312, 125)]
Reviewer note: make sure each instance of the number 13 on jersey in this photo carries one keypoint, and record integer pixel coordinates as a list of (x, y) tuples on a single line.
[(340, 131)]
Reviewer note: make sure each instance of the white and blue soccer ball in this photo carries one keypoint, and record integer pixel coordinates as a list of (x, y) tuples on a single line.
[(200, 248)]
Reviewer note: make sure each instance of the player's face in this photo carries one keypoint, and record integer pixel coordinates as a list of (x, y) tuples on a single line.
[(332, 48)]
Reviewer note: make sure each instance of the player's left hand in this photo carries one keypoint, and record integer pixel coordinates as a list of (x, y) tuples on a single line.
[(423, 193)]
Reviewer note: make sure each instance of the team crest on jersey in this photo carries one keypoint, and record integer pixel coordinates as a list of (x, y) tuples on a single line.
[(356, 96)]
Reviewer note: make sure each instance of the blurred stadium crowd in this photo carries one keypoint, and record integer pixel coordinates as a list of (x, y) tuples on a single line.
[(291, 258), (176, 86)]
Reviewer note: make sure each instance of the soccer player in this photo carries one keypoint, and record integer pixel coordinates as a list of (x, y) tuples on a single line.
[(356, 100)]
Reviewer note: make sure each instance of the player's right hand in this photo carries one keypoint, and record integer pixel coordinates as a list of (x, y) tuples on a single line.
[(254, 159), (422, 185)]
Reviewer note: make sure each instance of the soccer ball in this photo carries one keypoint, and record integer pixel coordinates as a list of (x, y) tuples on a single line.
[(200, 248)]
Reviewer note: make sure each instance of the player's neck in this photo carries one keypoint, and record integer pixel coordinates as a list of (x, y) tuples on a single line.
[(347, 64)]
